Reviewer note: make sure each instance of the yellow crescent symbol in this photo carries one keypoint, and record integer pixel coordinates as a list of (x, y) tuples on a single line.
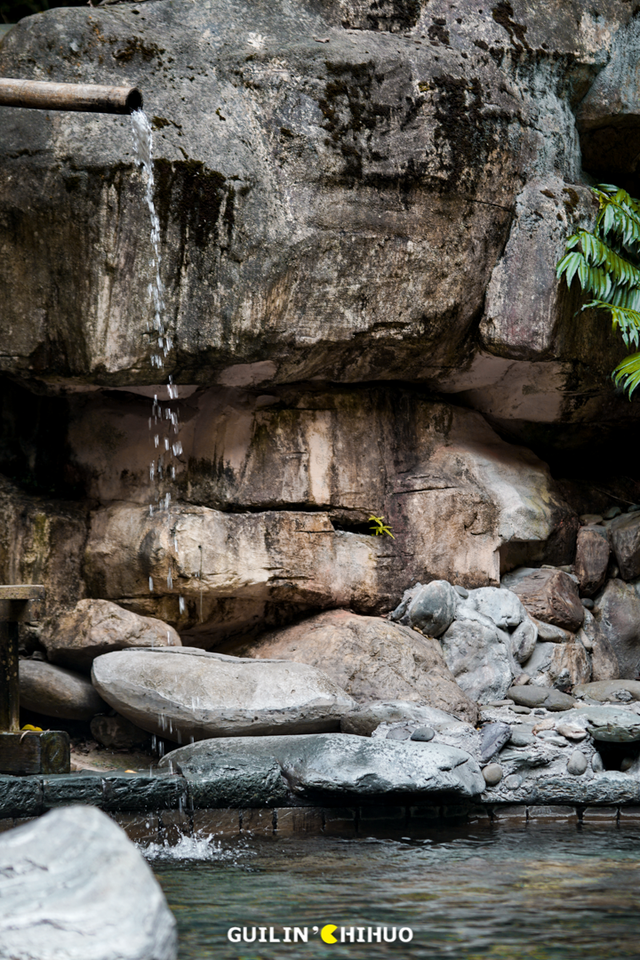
[(327, 933)]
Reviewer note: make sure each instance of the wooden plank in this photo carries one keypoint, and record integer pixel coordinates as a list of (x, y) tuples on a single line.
[(22, 591), (9, 678), (30, 752)]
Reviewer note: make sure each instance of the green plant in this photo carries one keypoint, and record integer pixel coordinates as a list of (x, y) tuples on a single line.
[(606, 261), (379, 528)]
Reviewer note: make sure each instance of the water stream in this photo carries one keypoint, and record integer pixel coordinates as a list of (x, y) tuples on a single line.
[(524, 893), (164, 425)]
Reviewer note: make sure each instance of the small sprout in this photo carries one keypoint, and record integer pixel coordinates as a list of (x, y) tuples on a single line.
[(379, 528)]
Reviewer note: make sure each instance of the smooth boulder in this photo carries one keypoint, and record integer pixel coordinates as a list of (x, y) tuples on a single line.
[(193, 695), (55, 692), (479, 657), (74, 887), (339, 765), (96, 627), (430, 607), (371, 659)]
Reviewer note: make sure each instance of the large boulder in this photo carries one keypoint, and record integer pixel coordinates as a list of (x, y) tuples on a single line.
[(344, 766), (95, 627), (55, 692), (371, 659), (559, 665), (479, 657), (617, 613), (549, 595), (604, 662), (74, 887), (193, 695)]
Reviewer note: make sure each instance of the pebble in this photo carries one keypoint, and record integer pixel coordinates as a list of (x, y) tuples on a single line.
[(423, 734), (596, 763), (633, 508), (588, 603), (627, 763), (499, 703), (577, 763), (521, 736), (611, 513), (572, 731), (513, 782), (519, 708), (521, 680), (548, 724), (591, 519), (399, 733), (492, 774), (461, 592)]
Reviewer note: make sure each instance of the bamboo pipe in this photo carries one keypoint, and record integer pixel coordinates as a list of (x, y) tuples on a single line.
[(42, 95)]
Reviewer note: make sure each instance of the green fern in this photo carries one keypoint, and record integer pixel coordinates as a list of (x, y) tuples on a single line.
[(606, 262)]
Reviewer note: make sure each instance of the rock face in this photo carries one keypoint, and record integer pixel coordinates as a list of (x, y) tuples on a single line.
[(333, 765), (73, 885), (371, 659), (188, 695), (95, 627), (55, 692), (453, 492)]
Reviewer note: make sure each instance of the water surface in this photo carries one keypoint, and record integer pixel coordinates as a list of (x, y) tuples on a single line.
[(533, 892)]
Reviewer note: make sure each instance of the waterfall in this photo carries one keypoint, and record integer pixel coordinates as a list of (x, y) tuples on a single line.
[(164, 426)]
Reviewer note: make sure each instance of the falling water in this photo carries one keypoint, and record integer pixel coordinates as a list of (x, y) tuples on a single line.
[(164, 425)]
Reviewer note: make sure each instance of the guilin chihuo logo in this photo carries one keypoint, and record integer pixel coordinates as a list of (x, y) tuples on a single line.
[(329, 933)]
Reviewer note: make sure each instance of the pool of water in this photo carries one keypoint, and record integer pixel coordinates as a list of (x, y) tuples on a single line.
[(533, 892)]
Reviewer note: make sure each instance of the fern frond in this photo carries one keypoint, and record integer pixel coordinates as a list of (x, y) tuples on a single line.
[(627, 374)]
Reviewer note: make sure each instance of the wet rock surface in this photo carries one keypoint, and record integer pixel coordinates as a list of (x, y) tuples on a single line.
[(184, 695), (343, 765), (73, 885)]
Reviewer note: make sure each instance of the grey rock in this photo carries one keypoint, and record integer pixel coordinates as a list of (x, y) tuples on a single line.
[(370, 658), (236, 780), (587, 603), (604, 662), (513, 782), (363, 721), (461, 591), (608, 724), (625, 540), (577, 763), (522, 735), (95, 627), (116, 733), (520, 708), (399, 733), (597, 764), (617, 612), (478, 655), (431, 607), (74, 886), (55, 692), (339, 765), (498, 604), (493, 737), (608, 689), (612, 512), (571, 731), (550, 632), (181, 697), (523, 640), (536, 696), (423, 733), (492, 774)]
